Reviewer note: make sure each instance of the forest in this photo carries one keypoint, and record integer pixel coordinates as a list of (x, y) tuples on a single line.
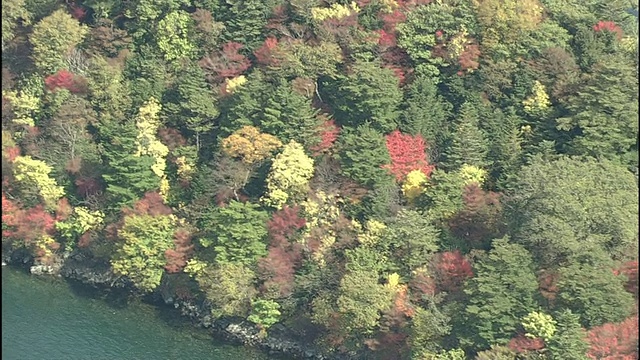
[(405, 179)]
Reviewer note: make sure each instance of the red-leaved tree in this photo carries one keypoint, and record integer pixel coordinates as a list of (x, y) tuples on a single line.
[(451, 269), (64, 79), (614, 341), (407, 154), (225, 63), (480, 220), (277, 269), (183, 248), (523, 344), (609, 26), (329, 132)]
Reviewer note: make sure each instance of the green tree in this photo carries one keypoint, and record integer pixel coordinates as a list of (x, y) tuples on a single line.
[(127, 176), (14, 12), (140, 256), (52, 38), (360, 302), (500, 294), (264, 313), (237, 232), (569, 342), (594, 293), (244, 20), (602, 116), (428, 327), (362, 153), (173, 36), (369, 94), (425, 112), (229, 288), (290, 115), (190, 102), (469, 145), (411, 239), (570, 206)]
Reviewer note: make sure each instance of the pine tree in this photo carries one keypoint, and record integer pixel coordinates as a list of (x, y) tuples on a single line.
[(369, 93), (425, 112), (290, 116), (127, 176), (469, 145)]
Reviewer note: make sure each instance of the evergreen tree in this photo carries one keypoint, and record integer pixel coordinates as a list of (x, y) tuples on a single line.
[(469, 145), (369, 94), (191, 103), (362, 155), (569, 342), (127, 175), (500, 295), (594, 293), (425, 112)]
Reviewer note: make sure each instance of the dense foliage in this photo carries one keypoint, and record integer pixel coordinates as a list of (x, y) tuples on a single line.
[(451, 179)]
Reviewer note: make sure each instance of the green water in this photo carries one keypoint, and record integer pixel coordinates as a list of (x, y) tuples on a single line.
[(49, 319)]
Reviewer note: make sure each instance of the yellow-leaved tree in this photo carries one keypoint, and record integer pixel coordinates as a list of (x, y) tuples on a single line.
[(289, 176), (147, 123), (33, 180), (249, 145)]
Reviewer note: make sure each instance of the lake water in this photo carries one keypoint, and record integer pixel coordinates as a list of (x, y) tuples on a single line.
[(48, 319)]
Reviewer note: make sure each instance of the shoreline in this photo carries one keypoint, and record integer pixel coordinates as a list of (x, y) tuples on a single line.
[(77, 268)]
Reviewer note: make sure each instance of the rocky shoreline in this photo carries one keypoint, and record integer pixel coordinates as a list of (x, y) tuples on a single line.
[(77, 267)]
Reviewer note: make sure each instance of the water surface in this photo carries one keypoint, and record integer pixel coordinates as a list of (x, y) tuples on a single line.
[(48, 319)]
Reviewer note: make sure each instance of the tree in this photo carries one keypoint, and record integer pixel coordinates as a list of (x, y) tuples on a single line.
[(425, 113), (289, 115), (264, 313), (428, 327), (13, 13), (370, 94), (173, 36), (500, 294), (32, 178), (127, 176), (363, 154), (140, 255), (289, 176), (614, 341), (569, 342), (451, 270), (469, 145), (411, 239), (601, 120), (190, 103), (595, 293), (570, 206), (229, 288), (227, 62), (361, 301), (407, 154), (237, 232), (249, 145), (52, 38)]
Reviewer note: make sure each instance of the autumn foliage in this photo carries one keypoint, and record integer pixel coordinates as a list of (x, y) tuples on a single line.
[(329, 132), (630, 270), (614, 341), (609, 26), (178, 256), (407, 153), (452, 270), (64, 79), (225, 63), (277, 269), (479, 221), (522, 344)]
